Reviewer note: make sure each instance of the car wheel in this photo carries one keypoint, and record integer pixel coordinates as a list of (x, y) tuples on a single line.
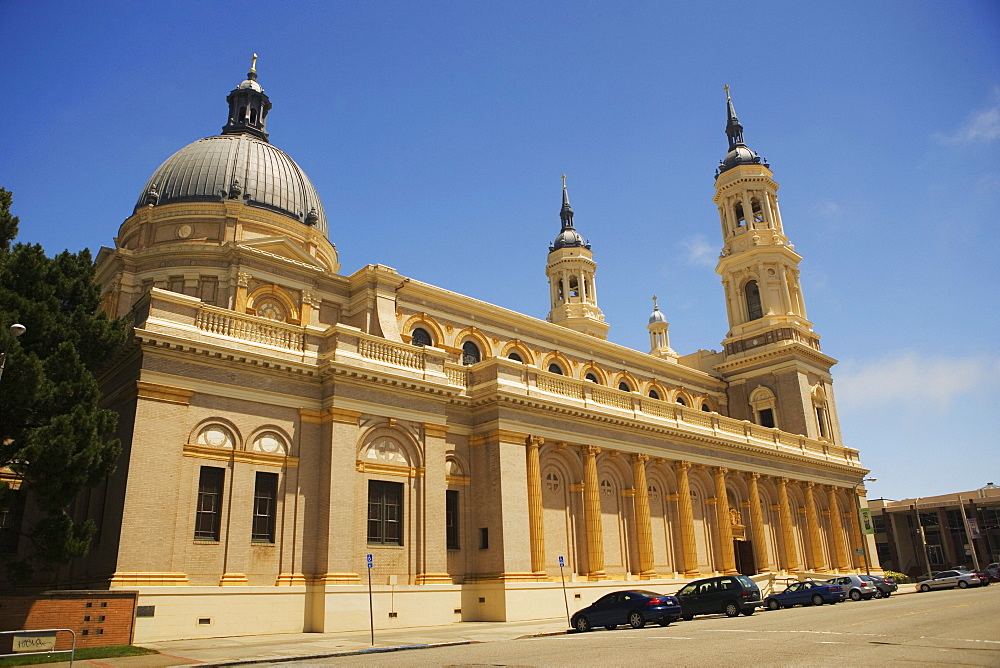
[(748, 612), (636, 620), (581, 624), (731, 609), (924, 588), (879, 594), (887, 594), (962, 584), (855, 595), (817, 599), (687, 618), (773, 605)]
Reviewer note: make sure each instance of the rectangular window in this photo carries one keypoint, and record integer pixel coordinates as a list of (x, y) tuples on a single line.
[(10, 522), (767, 418), (208, 516), (451, 518), (824, 431), (385, 512), (265, 501), (484, 538)]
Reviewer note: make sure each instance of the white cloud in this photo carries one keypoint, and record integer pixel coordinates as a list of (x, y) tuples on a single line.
[(982, 127), (700, 251), (919, 381)]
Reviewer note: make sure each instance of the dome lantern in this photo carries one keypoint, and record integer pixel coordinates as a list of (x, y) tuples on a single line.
[(248, 106)]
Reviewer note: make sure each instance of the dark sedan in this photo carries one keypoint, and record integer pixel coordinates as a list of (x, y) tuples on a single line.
[(806, 593), (634, 607)]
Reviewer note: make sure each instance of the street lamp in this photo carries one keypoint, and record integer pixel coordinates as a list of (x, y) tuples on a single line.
[(861, 529), (16, 330)]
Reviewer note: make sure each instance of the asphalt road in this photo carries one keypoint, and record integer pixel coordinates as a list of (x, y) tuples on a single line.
[(954, 627)]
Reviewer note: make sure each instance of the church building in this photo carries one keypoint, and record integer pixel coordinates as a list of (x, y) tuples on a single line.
[(289, 431)]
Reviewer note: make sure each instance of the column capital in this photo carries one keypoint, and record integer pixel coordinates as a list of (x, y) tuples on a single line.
[(720, 470), (535, 441), (682, 465), (639, 457), (751, 475), (810, 484), (783, 481), (592, 450)]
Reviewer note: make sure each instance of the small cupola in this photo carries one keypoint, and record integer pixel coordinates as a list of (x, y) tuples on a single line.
[(248, 107)]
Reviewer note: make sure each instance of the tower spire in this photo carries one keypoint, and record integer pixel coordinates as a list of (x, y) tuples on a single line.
[(248, 106), (733, 128), (739, 153), (568, 236)]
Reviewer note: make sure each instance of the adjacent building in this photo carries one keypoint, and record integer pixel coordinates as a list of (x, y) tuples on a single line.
[(936, 533), (290, 431)]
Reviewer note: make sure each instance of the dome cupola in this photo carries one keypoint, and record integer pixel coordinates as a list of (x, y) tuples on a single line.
[(239, 164)]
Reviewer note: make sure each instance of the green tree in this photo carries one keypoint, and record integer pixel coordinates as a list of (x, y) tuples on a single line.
[(53, 436)]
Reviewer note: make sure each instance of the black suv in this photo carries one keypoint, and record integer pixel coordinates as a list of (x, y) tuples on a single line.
[(729, 594)]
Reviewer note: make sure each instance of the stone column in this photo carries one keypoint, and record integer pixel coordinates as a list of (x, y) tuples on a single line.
[(837, 529), (536, 522), (689, 547), (816, 562), (757, 525), (242, 282), (787, 533), (724, 521), (643, 528), (592, 509)]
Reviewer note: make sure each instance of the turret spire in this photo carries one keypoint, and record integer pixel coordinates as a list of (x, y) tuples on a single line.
[(568, 236), (248, 106), (733, 128), (738, 153)]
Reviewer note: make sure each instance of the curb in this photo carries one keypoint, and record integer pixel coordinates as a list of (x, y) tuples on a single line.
[(329, 655)]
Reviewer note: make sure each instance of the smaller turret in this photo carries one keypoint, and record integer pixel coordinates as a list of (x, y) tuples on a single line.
[(248, 107), (659, 339)]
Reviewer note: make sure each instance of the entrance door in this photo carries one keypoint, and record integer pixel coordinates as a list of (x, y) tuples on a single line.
[(745, 564)]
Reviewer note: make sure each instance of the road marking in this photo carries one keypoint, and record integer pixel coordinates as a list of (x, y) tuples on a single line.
[(995, 642), (834, 633)]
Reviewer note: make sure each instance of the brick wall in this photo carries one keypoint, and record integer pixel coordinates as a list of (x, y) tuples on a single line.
[(99, 618)]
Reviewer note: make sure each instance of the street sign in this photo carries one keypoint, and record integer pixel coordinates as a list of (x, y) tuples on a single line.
[(860, 551), (369, 561), (561, 562)]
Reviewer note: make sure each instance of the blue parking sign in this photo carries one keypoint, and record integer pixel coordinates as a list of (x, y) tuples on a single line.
[(561, 564), (369, 561)]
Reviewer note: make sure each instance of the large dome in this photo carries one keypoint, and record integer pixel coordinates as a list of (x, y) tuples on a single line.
[(236, 166)]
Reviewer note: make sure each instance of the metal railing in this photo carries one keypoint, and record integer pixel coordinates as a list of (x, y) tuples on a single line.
[(27, 640)]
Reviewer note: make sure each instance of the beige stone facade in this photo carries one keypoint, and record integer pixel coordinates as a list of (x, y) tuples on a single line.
[(282, 420)]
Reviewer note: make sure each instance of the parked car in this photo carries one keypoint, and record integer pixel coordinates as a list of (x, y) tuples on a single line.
[(806, 593), (634, 607), (884, 587), (856, 586), (993, 571), (728, 594), (950, 580)]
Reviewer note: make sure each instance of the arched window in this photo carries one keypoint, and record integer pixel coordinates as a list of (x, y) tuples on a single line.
[(515, 357), (706, 408), (681, 400), (253, 115), (741, 219), (591, 377), (624, 387), (763, 402), (574, 287), (470, 353), (752, 293), (758, 214), (555, 368), (653, 394), (421, 337)]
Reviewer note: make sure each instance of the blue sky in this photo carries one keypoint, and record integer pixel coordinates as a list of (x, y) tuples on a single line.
[(436, 134)]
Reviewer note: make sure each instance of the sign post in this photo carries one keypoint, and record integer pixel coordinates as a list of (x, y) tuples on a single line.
[(562, 577), (371, 608)]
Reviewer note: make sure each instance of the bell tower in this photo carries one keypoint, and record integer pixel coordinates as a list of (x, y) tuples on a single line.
[(778, 375), (572, 288)]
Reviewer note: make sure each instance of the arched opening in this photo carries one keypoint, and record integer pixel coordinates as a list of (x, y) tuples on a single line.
[(752, 293), (470, 353), (681, 401), (591, 377), (253, 116), (555, 368), (574, 287), (706, 408), (758, 214), (421, 337), (515, 357), (653, 394), (741, 219), (624, 387)]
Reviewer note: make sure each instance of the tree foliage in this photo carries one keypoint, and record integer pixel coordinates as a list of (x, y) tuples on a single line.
[(53, 436)]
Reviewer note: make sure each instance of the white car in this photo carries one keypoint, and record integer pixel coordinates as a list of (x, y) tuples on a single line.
[(950, 580), (857, 587)]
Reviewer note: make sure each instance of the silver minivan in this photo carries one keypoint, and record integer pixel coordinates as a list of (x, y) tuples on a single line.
[(950, 580)]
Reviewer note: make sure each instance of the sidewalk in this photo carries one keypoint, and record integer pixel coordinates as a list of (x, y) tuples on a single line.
[(285, 646)]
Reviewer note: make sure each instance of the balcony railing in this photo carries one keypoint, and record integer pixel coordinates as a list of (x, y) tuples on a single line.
[(250, 328)]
